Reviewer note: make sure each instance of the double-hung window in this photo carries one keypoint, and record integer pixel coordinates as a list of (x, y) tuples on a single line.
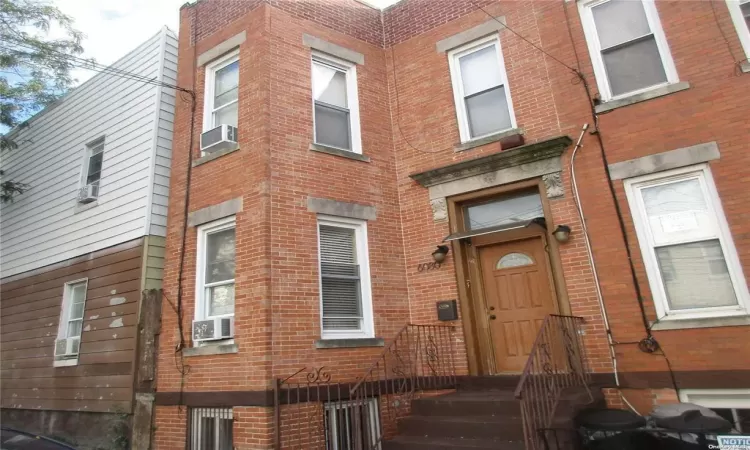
[(69, 330), (692, 266), (480, 89), (211, 429), (740, 12), (346, 307), (92, 169), (216, 265), (335, 103), (222, 92), (628, 48)]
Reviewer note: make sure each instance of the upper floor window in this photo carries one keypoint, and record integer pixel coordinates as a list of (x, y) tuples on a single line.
[(480, 89), (740, 12), (346, 307), (69, 329), (222, 92), (628, 48), (216, 264), (95, 151), (690, 260), (335, 103)]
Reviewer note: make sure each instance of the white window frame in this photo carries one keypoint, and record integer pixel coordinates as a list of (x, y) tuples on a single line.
[(592, 40), (62, 326), (701, 172), (88, 153), (372, 404), (458, 85), (210, 85), (363, 259), (718, 399), (200, 285), (352, 97), (195, 427), (739, 23)]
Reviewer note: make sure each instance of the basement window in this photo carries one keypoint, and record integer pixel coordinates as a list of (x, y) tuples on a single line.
[(211, 429), (343, 419), (731, 404)]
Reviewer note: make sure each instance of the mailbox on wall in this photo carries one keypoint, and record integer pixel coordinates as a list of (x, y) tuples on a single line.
[(447, 310)]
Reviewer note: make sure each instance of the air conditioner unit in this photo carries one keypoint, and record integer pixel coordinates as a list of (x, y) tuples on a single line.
[(223, 137), (213, 329), (67, 348), (88, 193)]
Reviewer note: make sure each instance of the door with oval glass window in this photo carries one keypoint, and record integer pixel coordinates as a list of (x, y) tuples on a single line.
[(518, 294)]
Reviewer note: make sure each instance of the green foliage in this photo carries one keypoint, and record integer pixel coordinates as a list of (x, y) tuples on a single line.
[(34, 67)]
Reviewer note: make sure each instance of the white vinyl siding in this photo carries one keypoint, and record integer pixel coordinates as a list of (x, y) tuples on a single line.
[(739, 10), (211, 429), (216, 270), (628, 48), (46, 224), (221, 99), (480, 89), (690, 259), (346, 307), (335, 103)]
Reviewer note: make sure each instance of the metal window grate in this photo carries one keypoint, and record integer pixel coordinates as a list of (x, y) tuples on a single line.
[(210, 429), (352, 425)]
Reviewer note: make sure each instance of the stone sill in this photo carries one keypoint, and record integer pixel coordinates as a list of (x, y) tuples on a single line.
[(487, 139), (349, 343), (211, 156), (705, 322), (642, 97), (211, 349), (745, 66), (339, 152)]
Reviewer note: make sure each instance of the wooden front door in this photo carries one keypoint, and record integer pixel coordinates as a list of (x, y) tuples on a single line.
[(518, 295)]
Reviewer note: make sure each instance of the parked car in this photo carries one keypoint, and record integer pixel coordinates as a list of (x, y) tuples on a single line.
[(11, 439)]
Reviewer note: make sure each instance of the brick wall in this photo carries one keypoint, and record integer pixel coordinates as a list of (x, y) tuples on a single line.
[(409, 125)]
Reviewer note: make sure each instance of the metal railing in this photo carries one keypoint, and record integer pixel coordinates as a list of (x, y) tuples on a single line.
[(556, 362), (314, 412)]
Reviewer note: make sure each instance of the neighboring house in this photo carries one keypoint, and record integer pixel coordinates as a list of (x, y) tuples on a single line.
[(80, 246), (341, 144)]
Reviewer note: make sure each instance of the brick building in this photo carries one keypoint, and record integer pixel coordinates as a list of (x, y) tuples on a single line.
[(367, 138)]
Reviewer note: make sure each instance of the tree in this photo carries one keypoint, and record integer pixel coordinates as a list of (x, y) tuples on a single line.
[(35, 68)]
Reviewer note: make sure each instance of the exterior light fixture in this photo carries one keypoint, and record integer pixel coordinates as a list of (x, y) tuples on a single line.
[(439, 254), (562, 233)]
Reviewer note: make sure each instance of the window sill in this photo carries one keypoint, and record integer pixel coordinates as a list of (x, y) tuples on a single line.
[(642, 96), (339, 152), (211, 156), (704, 322), (65, 362), (211, 349), (745, 66), (81, 207), (349, 343), (487, 139)]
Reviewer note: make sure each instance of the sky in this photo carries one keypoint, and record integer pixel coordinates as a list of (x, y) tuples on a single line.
[(115, 27)]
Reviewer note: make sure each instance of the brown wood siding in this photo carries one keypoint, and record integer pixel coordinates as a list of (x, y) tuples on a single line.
[(29, 317)]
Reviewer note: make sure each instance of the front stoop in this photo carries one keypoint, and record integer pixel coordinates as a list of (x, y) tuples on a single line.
[(483, 413)]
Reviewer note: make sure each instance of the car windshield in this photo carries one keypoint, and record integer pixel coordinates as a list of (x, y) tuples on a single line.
[(13, 440)]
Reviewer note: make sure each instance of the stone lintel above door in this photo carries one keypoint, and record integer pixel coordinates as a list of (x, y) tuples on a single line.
[(539, 159)]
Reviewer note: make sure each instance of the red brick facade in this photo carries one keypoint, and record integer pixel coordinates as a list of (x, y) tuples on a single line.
[(408, 122)]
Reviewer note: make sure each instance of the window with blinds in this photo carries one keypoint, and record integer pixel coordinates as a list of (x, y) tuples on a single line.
[(340, 279), (211, 429)]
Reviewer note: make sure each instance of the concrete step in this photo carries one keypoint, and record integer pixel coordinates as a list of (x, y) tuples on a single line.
[(426, 443), (473, 427), (469, 403), (489, 382)]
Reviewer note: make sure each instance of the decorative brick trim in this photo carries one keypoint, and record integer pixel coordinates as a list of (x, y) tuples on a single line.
[(659, 162), (472, 34), (341, 209), (225, 47), (332, 49), (215, 212)]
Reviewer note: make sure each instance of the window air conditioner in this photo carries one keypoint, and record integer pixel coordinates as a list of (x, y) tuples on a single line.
[(213, 329), (223, 137), (88, 193), (67, 348)]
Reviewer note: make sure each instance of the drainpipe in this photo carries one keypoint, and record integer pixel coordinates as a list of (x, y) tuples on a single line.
[(590, 254)]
